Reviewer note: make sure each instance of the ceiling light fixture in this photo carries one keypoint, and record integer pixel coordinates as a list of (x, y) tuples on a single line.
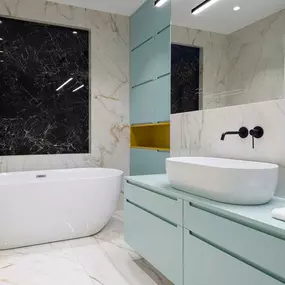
[(1, 39), (203, 6), (1, 22), (78, 88), (236, 8), (66, 82), (159, 3), (74, 32)]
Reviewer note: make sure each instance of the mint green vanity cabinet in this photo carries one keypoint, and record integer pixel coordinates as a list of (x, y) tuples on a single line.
[(259, 249), (206, 265), (151, 229), (196, 241)]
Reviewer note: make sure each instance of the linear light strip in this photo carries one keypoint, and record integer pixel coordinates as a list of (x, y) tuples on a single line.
[(203, 6), (78, 88), (66, 82), (159, 3)]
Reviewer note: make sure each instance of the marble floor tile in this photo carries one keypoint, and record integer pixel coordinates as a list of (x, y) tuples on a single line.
[(102, 259)]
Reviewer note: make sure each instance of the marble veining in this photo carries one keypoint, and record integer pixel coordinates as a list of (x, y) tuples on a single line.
[(109, 85), (103, 259), (38, 113)]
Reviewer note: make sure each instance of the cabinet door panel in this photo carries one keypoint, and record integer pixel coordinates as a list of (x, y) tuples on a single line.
[(206, 265), (168, 207), (258, 248), (143, 66), (150, 102), (163, 53), (145, 161), (143, 24), (164, 16), (158, 241)]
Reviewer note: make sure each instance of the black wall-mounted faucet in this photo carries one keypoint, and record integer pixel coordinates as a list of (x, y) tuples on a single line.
[(242, 132), (256, 133)]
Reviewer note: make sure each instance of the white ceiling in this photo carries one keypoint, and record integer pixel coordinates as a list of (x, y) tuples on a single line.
[(219, 18)]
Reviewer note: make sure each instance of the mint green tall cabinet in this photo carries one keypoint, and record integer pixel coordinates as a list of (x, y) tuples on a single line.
[(150, 79)]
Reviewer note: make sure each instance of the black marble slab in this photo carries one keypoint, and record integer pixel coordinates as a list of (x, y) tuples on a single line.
[(185, 78), (36, 117)]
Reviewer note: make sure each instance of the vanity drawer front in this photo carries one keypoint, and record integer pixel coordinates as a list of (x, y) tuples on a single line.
[(158, 241), (166, 207), (206, 265), (261, 250)]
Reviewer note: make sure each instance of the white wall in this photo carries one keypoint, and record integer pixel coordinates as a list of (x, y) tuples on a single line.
[(109, 85)]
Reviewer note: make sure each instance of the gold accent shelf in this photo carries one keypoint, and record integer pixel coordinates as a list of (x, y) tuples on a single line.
[(151, 136)]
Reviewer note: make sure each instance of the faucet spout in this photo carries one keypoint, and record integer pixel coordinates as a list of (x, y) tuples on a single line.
[(228, 133), (242, 132)]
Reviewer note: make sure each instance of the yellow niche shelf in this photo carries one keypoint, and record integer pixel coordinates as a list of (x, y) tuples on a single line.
[(151, 136)]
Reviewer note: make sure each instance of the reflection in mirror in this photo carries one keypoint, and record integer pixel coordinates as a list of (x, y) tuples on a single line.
[(241, 50)]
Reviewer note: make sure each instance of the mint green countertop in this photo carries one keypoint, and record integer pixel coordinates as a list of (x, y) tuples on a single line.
[(257, 217)]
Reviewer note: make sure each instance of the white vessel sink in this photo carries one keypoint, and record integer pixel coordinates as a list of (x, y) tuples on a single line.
[(224, 180)]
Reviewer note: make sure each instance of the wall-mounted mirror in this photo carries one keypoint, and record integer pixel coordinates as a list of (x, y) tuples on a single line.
[(229, 52)]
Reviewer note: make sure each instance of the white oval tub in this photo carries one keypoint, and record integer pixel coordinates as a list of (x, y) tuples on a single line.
[(45, 206)]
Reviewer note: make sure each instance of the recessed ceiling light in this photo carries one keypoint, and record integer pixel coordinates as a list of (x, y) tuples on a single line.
[(203, 6), (236, 8), (74, 32), (159, 3)]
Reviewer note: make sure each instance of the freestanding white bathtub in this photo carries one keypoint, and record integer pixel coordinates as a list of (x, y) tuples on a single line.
[(44, 206)]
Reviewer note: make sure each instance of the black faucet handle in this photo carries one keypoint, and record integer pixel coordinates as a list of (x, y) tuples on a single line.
[(256, 133)]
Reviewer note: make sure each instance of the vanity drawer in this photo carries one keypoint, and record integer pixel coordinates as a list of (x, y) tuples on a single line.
[(206, 265), (258, 249), (157, 240), (167, 207)]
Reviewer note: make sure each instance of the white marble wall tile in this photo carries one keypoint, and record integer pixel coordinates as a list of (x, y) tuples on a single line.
[(198, 134), (109, 85), (256, 57)]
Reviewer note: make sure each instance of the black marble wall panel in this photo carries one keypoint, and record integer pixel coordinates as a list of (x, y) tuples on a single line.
[(185, 78), (36, 116)]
